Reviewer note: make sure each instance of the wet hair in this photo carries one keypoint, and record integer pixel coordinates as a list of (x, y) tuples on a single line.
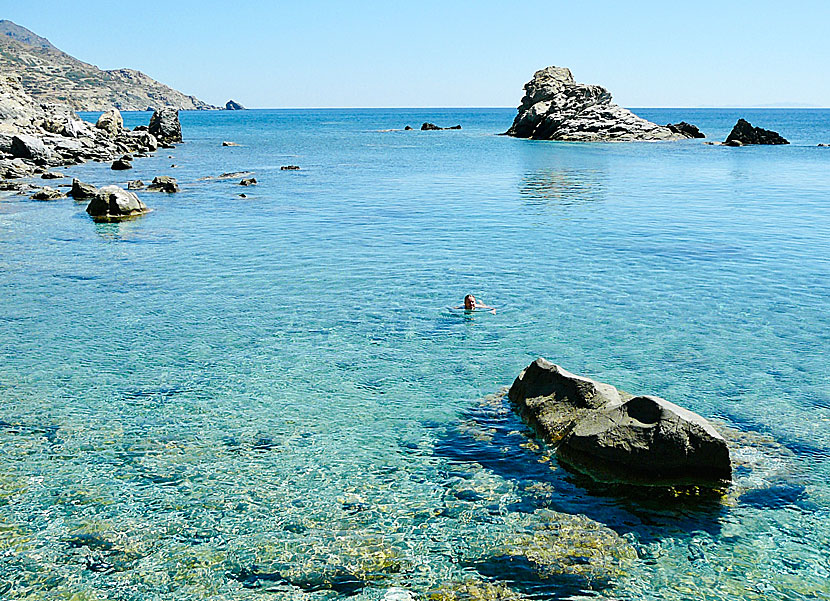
[(469, 296)]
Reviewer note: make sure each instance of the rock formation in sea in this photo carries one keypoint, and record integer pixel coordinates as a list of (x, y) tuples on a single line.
[(555, 107), (232, 105), (164, 183), (52, 76), (432, 127), (616, 437), (165, 126), (81, 190), (744, 133), (686, 130), (112, 203)]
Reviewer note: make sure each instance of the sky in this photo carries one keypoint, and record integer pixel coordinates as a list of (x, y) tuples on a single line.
[(316, 53)]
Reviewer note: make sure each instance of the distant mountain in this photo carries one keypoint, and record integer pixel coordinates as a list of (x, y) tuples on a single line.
[(50, 75)]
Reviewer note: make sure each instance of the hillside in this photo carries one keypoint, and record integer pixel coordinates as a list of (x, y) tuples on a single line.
[(50, 75)]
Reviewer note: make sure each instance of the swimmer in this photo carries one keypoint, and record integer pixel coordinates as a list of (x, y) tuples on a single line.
[(471, 304)]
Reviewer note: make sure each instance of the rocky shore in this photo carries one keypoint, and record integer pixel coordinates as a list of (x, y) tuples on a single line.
[(37, 136)]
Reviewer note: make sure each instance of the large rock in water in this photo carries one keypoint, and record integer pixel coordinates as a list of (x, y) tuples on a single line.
[(232, 105), (615, 437), (744, 133), (555, 107), (165, 126), (111, 122), (112, 203)]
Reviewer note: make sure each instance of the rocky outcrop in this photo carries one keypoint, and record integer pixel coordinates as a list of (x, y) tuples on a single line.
[(232, 105), (52, 76), (615, 437), (165, 126), (47, 193), (432, 127), (555, 107), (163, 183), (111, 122), (687, 130), (82, 191), (744, 133), (112, 203)]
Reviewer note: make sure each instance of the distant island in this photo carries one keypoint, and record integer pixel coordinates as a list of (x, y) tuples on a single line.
[(49, 75)]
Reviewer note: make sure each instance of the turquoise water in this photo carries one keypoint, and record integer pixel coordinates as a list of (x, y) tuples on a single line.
[(268, 397)]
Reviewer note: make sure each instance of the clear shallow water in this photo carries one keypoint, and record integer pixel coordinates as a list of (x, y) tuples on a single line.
[(268, 398)]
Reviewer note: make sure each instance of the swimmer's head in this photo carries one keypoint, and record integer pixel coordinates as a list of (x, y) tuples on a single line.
[(469, 302)]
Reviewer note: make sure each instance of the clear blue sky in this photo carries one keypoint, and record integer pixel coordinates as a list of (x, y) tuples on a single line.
[(316, 53)]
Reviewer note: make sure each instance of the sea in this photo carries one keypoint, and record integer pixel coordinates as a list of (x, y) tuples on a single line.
[(265, 392)]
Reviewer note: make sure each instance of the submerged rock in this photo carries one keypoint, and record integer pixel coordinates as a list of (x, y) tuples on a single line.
[(290, 168), (686, 129), (745, 133), (555, 107), (82, 191), (615, 437), (226, 143), (248, 181), (165, 126), (164, 183), (135, 184), (113, 203)]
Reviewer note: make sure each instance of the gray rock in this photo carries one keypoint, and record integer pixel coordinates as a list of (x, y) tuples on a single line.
[(432, 127), (164, 183), (47, 193), (555, 107), (113, 203), (648, 440), (745, 133), (82, 191), (232, 105), (135, 184), (111, 122), (687, 130), (612, 436), (15, 168), (138, 141), (165, 126), (30, 147), (52, 175), (121, 164), (248, 181)]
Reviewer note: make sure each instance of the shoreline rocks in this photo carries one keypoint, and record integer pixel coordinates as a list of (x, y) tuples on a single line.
[(613, 436), (555, 107), (112, 203), (744, 134)]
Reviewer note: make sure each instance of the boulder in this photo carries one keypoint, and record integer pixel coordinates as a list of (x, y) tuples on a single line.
[(47, 193), (111, 122), (113, 203), (165, 126), (408, 128), (135, 184), (433, 127), (248, 181), (614, 437), (164, 183), (82, 191), (232, 105), (555, 107), (30, 147), (121, 164), (290, 168), (138, 141), (52, 175), (687, 130), (745, 133)]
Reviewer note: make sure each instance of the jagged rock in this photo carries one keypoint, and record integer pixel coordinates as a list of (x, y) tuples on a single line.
[(290, 168), (165, 126), (82, 191), (111, 122), (555, 107), (686, 130), (135, 184), (615, 437), (226, 143), (113, 203), (744, 133), (164, 183), (15, 168), (47, 193), (138, 140), (29, 147), (733, 143), (433, 127), (141, 128), (232, 105), (121, 165), (52, 175), (248, 181)]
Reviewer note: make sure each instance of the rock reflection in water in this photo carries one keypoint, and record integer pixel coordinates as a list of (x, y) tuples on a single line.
[(546, 188)]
